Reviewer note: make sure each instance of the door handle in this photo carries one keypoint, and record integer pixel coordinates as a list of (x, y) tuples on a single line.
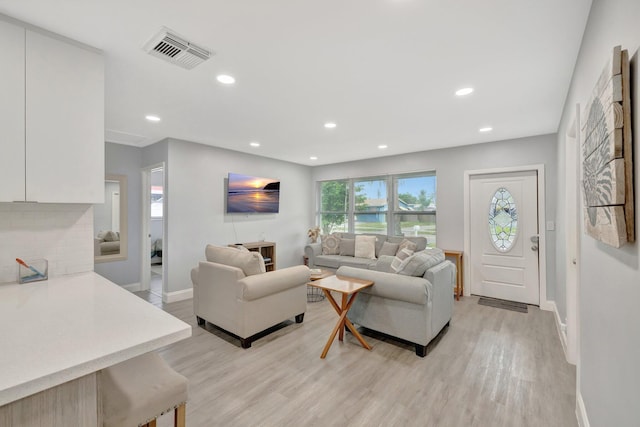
[(534, 247), (535, 239)]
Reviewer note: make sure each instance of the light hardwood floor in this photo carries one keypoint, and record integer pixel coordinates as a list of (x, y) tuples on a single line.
[(492, 367)]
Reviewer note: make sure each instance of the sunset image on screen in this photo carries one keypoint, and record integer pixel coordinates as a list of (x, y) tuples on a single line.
[(252, 194)]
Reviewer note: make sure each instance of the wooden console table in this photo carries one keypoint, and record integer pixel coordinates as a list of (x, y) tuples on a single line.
[(459, 271), (266, 249)]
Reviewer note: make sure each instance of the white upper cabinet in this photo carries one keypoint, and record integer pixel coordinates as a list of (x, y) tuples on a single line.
[(12, 113), (52, 112), (64, 122)]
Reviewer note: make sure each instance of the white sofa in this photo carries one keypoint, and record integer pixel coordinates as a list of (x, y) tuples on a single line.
[(232, 291)]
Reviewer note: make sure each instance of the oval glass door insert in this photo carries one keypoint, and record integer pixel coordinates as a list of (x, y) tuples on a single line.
[(503, 220)]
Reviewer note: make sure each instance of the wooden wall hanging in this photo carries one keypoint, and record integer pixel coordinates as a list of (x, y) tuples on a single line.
[(607, 167)]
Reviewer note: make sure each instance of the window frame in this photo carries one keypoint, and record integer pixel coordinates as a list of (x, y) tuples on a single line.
[(392, 211)]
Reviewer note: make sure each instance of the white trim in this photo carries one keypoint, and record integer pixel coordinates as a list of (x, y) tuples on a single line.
[(177, 295), (581, 412), (542, 220), (133, 287), (145, 246), (561, 327)]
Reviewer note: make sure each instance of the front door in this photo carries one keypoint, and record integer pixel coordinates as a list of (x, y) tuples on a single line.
[(504, 236)]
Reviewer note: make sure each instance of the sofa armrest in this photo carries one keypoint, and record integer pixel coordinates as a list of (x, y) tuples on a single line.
[(311, 251), (390, 285), (262, 285), (442, 278)]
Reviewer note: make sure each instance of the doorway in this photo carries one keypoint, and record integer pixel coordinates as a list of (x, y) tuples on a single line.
[(154, 207), (502, 238)]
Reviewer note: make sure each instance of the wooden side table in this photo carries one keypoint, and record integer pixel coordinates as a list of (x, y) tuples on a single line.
[(348, 287), (459, 267)]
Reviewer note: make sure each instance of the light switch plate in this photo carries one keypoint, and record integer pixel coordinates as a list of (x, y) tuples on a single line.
[(551, 225)]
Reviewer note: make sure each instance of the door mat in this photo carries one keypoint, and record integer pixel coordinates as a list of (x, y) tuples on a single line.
[(507, 305)]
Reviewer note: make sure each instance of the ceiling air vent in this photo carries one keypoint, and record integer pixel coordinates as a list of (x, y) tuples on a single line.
[(171, 47)]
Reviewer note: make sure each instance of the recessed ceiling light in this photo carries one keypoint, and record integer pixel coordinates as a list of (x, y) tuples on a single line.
[(464, 91), (225, 79), (254, 144), (313, 158), (382, 146), (486, 129), (330, 125), (152, 118)]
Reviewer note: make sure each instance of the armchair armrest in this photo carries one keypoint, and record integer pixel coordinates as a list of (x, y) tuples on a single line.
[(261, 285), (311, 251)]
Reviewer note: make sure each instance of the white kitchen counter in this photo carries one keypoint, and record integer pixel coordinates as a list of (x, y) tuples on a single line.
[(55, 331)]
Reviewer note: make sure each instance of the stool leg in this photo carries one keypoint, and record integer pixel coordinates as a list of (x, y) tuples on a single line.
[(179, 416)]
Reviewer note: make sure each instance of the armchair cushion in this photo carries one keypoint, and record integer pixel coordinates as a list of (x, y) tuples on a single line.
[(249, 262)]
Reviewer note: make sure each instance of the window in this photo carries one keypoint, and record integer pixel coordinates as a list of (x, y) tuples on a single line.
[(156, 201), (503, 220), (415, 207), (371, 206), (334, 206), (401, 205)]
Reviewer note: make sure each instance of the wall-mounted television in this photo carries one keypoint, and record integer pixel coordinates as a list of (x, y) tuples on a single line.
[(251, 194)]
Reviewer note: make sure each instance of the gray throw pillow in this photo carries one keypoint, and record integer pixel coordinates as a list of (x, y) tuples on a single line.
[(407, 244), (331, 244), (399, 258), (419, 262), (347, 247), (389, 249)]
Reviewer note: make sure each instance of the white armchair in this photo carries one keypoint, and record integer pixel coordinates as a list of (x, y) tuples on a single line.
[(232, 291)]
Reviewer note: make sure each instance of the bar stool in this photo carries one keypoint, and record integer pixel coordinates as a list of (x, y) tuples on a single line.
[(137, 391)]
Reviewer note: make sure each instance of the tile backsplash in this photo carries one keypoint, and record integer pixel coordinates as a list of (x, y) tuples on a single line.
[(60, 233)]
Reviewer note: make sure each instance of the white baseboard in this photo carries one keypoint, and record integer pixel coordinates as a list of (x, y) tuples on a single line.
[(133, 287), (581, 411), (561, 328), (177, 295), (547, 305)]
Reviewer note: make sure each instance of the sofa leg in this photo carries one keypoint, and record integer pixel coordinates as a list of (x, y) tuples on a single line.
[(421, 350), (200, 321), (299, 318), (245, 342)]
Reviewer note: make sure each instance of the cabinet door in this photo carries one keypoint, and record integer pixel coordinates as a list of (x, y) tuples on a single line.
[(12, 113), (64, 122)]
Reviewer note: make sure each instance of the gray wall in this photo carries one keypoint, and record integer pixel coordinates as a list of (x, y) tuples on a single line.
[(102, 212), (196, 193), (609, 288), (450, 165), (125, 160)]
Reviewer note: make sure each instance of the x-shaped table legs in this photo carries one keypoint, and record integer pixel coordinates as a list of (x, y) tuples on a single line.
[(342, 321)]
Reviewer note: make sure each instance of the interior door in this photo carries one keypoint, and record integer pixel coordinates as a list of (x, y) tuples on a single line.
[(504, 236)]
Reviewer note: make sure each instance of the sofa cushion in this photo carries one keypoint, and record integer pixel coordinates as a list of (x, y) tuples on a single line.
[(388, 248), (331, 261), (365, 247), (419, 262), (407, 244), (357, 262), (399, 258), (347, 247), (249, 262), (331, 244)]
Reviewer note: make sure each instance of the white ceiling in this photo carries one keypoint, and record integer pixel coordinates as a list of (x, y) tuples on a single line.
[(384, 70)]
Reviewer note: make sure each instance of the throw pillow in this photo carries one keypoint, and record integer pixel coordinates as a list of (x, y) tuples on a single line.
[(331, 244), (389, 249), (365, 247), (407, 244), (419, 262), (399, 258), (347, 247)]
